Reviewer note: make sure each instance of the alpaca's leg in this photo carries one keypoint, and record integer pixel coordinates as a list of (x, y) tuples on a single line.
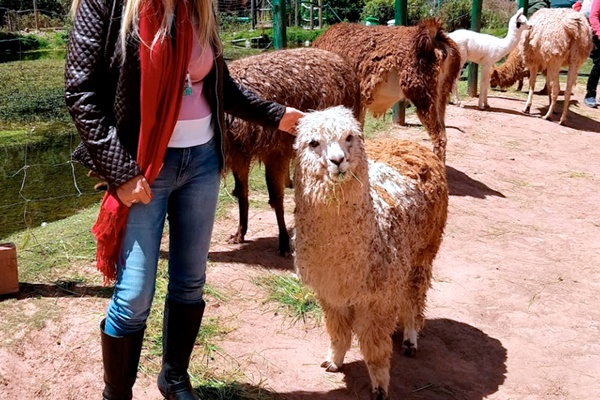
[(554, 89), (338, 322), (484, 83), (241, 171), (374, 337), (571, 78), (276, 174), (412, 313), (432, 119), (532, 78)]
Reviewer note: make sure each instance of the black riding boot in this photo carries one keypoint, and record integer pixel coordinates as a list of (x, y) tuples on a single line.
[(120, 357), (180, 329)]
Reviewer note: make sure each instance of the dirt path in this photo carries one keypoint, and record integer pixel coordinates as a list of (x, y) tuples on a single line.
[(514, 311)]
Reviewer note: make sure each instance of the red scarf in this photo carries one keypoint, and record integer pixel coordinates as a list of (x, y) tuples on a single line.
[(163, 71)]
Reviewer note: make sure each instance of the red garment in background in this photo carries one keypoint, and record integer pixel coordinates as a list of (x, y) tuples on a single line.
[(163, 70)]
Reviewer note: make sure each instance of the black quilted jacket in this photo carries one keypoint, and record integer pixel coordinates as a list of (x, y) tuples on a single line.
[(103, 94)]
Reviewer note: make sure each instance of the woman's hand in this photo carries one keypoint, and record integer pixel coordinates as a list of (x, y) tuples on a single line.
[(135, 190), (289, 120)]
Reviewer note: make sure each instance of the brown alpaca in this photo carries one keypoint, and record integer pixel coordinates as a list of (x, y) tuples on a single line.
[(511, 71), (307, 79), (367, 232), (419, 63), (558, 38)]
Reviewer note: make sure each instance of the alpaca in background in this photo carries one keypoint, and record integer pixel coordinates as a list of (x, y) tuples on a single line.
[(558, 38), (486, 50)]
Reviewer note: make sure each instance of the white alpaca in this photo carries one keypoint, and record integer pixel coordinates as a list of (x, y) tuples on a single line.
[(367, 231), (486, 50)]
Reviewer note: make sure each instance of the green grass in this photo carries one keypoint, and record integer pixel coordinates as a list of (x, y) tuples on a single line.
[(296, 300)]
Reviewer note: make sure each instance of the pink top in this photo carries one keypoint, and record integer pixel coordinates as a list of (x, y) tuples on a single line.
[(193, 124), (595, 17)]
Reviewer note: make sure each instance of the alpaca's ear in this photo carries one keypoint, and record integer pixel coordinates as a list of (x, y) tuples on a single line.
[(519, 12)]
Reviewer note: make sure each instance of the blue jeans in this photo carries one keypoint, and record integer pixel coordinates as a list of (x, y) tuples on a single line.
[(186, 190)]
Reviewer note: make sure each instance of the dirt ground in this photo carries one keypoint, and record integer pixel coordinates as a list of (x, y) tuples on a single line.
[(514, 311)]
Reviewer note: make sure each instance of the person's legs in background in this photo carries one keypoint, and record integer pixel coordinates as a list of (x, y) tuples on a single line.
[(592, 83)]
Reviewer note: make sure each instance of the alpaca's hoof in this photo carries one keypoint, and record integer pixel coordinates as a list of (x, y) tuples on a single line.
[(526, 110), (329, 366), (548, 117), (562, 121), (409, 349), (236, 239), (284, 249), (379, 394)]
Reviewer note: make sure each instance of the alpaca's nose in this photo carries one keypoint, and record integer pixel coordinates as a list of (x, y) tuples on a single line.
[(337, 159)]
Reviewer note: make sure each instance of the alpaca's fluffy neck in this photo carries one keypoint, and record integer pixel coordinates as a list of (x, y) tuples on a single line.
[(510, 41), (339, 233)]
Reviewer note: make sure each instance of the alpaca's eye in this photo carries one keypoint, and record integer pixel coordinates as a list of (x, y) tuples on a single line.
[(314, 143), (349, 138), (518, 24)]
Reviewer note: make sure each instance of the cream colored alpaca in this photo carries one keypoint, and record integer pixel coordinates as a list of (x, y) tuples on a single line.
[(558, 38), (366, 234)]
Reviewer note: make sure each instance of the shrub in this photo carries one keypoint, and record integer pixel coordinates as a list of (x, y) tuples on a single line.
[(384, 10)]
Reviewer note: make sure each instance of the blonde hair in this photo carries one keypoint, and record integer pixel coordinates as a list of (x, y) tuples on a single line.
[(202, 11)]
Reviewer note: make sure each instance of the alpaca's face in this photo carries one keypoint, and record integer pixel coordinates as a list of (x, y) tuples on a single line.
[(329, 144), (519, 21)]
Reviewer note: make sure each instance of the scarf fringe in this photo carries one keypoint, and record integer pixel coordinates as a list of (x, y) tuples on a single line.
[(109, 230)]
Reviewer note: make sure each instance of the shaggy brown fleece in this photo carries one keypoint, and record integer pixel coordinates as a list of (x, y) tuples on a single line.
[(306, 79), (419, 62)]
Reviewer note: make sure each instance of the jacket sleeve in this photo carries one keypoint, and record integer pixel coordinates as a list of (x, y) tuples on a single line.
[(241, 102), (88, 100)]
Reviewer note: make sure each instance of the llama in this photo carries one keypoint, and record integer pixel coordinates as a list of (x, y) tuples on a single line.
[(558, 38), (486, 50), (367, 232), (419, 63), (307, 79)]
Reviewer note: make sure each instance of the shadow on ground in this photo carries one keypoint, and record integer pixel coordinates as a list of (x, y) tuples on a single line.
[(461, 184), (59, 289), (260, 251), (455, 361)]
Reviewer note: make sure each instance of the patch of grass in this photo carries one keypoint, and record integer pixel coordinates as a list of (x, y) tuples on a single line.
[(295, 299), (257, 185), (373, 125), (46, 253), (577, 174), (32, 90), (218, 389)]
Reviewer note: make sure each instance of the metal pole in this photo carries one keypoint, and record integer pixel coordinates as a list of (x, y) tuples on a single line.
[(311, 16), (475, 26), (524, 4), (253, 14), (297, 12), (279, 36), (400, 15)]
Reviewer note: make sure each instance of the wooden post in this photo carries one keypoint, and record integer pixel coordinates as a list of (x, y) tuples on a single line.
[(320, 14), (475, 26), (9, 275), (35, 16), (524, 4), (279, 35), (400, 15)]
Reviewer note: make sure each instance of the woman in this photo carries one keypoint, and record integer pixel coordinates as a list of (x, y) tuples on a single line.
[(594, 77), (147, 87)]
